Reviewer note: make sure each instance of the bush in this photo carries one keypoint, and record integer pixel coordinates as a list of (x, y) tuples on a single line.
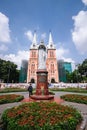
[(10, 98), (41, 116), (75, 98)]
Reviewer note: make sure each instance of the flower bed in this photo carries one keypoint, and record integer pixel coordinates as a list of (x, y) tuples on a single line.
[(41, 116), (10, 98), (75, 98)]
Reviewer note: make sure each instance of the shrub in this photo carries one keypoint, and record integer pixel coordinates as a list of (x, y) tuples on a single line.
[(75, 98), (41, 116), (10, 98)]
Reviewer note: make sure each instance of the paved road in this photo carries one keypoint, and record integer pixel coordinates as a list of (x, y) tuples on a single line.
[(81, 107)]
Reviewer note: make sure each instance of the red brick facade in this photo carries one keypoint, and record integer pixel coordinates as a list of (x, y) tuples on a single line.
[(51, 62), (52, 66)]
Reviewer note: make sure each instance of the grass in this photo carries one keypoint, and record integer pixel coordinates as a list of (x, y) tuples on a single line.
[(76, 90), (8, 90)]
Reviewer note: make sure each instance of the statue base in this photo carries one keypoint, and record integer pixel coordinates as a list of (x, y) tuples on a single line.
[(42, 83), (42, 97), (42, 92)]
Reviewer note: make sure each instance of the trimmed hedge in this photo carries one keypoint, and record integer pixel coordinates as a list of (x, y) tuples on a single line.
[(8, 90), (76, 90), (41, 116), (75, 98), (10, 98)]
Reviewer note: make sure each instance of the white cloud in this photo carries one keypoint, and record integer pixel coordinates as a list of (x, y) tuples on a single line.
[(4, 29), (24, 55), (61, 52), (84, 1), (29, 35), (17, 58), (79, 33)]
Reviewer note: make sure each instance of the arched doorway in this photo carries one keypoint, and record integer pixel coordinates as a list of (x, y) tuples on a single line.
[(52, 80), (32, 80)]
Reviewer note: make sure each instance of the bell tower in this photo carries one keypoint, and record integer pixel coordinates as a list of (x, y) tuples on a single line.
[(51, 63), (33, 61)]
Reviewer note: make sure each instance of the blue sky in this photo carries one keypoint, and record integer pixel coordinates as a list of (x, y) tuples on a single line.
[(67, 20)]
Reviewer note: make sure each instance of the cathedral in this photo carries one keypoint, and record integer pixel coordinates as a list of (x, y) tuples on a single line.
[(51, 61)]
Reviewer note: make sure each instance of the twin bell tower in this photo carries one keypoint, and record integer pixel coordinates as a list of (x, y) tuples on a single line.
[(42, 57)]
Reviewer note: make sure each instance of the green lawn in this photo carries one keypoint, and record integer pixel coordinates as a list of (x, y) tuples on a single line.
[(77, 90)]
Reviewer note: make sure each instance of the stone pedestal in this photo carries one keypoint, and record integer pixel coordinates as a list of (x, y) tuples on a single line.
[(42, 92), (42, 83)]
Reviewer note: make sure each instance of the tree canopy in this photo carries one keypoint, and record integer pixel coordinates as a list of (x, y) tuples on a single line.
[(8, 72), (79, 74)]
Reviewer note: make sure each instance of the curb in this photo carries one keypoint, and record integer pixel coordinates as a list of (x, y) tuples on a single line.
[(84, 122)]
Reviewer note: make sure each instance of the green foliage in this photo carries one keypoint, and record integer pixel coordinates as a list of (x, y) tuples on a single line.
[(78, 75), (10, 98), (8, 90), (75, 98), (8, 71), (41, 116), (76, 90)]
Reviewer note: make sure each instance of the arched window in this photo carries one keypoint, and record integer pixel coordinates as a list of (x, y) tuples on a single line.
[(32, 80), (33, 68), (52, 80), (52, 68), (51, 54), (33, 54)]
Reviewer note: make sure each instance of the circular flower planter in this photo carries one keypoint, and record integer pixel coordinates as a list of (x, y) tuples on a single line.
[(41, 116)]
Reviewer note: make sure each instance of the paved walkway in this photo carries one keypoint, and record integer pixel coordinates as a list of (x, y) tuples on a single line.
[(81, 107)]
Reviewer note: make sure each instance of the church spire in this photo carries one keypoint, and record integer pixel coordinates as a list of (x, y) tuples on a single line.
[(34, 41), (50, 39), (50, 42)]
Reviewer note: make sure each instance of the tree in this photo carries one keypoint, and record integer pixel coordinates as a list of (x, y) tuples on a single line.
[(73, 77), (8, 71), (79, 74), (82, 68)]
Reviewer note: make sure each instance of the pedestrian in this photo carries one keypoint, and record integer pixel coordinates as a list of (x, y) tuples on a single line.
[(30, 89)]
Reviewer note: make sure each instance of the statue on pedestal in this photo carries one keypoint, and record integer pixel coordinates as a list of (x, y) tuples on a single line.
[(42, 56), (42, 92)]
